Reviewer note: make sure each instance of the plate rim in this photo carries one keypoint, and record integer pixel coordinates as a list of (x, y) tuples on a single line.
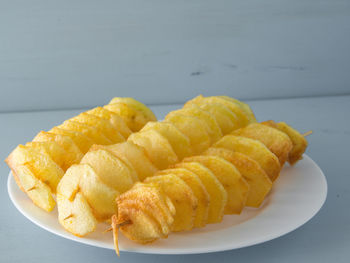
[(259, 240)]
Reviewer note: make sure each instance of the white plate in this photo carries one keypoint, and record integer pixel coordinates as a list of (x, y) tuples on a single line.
[(297, 196)]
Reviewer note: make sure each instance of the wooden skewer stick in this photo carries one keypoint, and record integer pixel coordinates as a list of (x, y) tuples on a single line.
[(69, 216), (121, 224), (107, 230), (115, 228), (127, 222), (32, 188), (307, 133)]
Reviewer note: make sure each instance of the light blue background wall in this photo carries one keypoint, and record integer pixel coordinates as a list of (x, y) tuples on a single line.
[(71, 54)]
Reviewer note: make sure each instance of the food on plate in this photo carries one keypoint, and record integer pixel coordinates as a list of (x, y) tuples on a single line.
[(51, 153), (104, 126), (76, 216), (82, 141), (244, 106), (208, 119), (100, 177), (199, 190), (114, 119), (205, 160), (235, 185), (40, 164), (98, 194), (112, 171), (178, 141), (90, 131), (133, 154), (226, 119), (161, 145), (195, 130), (236, 171), (193, 186), (30, 167), (74, 212), (216, 191), (141, 108), (259, 183), (278, 142), (243, 113), (156, 203), (255, 150), (54, 150), (157, 147), (144, 221), (298, 140), (73, 153), (39, 192), (82, 178), (133, 116), (182, 197), (156, 143)]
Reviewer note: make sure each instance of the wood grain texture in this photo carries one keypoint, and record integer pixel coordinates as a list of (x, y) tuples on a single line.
[(72, 54)]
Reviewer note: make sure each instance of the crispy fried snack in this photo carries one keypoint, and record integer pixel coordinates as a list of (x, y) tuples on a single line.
[(158, 146), (298, 140), (191, 174), (39, 165), (237, 171), (202, 188)]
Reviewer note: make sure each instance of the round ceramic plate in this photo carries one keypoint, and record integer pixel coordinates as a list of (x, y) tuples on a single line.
[(296, 197)]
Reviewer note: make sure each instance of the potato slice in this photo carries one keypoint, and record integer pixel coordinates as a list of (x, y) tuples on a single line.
[(157, 147), (140, 227), (226, 119), (200, 192), (37, 191), (211, 125), (147, 200), (298, 140), (41, 165), (82, 178), (82, 141), (89, 131), (76, 216), (246, 108), (55, 151), (181, 196), (178, 141), (73, 153), (259, 183), (164, 203), (255, 150), (123, 160), (104, 126), (99, 195), (162, 228), (114, 118), (194, 129), (110, 169), (139, 106), (68, 187), (235, 108), (277, 141), (235, 185), (217, 193), (132, 117), (135, 155)]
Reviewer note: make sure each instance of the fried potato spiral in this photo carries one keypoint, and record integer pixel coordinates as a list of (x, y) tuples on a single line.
[(243, 166), (39, 165)]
